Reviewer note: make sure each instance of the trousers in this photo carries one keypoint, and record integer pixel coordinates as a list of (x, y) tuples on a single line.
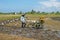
[(23, 25)]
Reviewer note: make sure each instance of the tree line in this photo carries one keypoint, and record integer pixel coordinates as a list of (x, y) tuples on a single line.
[(32, 12)]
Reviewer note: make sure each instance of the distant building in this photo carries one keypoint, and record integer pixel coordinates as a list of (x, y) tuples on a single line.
[(15, 13)]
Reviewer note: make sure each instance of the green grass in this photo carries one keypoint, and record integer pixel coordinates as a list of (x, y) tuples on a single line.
[(29, 16), (8, 17)]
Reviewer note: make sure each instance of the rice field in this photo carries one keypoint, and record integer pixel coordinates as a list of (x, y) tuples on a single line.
[(30, 17), (50, 23)]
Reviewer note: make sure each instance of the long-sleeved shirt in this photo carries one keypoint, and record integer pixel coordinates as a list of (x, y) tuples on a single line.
[(23, 19)]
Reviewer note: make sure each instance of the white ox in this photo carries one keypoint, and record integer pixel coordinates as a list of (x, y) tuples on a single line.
[(33, 21), (30, 23)]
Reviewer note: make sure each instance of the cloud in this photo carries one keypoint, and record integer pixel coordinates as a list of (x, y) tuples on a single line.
[(48, 6), (50, 3), (53, 0)]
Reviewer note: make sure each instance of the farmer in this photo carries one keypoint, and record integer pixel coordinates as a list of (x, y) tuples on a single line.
[(23, 20)]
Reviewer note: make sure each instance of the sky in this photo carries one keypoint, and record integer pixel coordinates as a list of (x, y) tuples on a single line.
[(28, 5)]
